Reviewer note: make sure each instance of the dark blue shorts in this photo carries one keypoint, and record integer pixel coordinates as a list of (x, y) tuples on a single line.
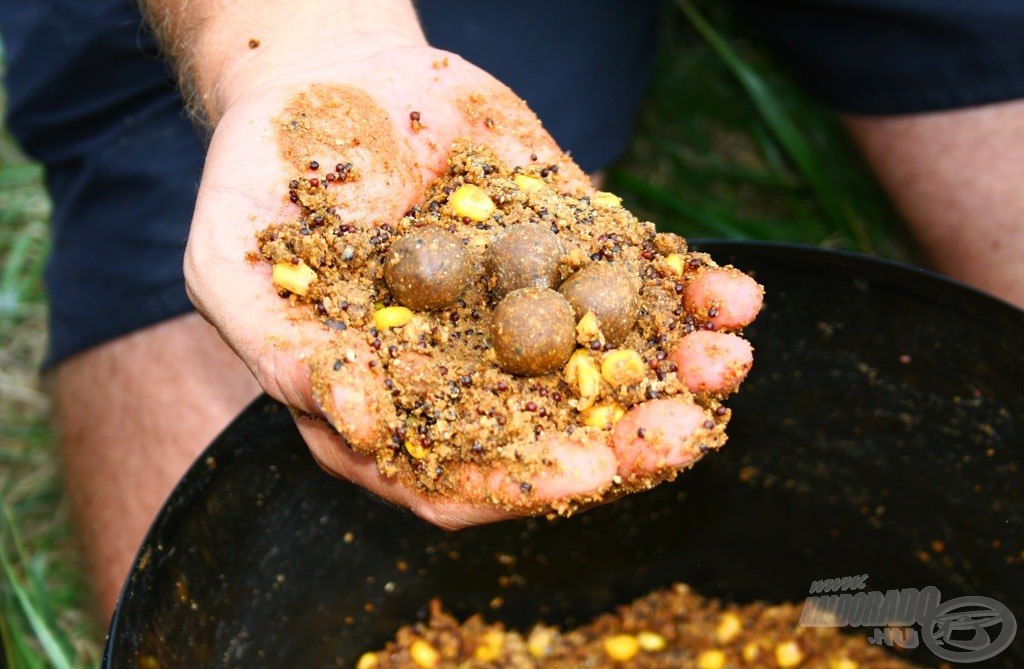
[(89, 97), (897, 56)]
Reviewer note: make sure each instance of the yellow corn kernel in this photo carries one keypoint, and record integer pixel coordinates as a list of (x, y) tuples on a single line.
[(293, 277), (367, 661), (490, 648), (711, 659), (472, 202), (652, 642), (842, 663), (605, 199), (603, 416), (392, 317), (423, 654), (788, 654), (582, 373), (750, 652), (623, 367), (149, 662), (529, 182), (415, 449), (675, 262), (621, 647), (728, 628), (539, 643), (587, 329)]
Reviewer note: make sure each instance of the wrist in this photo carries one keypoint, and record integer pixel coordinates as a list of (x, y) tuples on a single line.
[(235, 52)]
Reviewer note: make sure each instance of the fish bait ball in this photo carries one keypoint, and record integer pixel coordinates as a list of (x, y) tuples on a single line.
[(524, 255), (427, 269), (533, 332)]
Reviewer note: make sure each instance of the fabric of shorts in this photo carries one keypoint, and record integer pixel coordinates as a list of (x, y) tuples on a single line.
[(89, 97), (890, 57)]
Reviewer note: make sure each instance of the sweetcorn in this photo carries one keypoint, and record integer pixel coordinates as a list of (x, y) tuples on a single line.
[(621, 647), (582, 373), (605, 199), (392, 317), (603, 416), (293, 277), (472, 202), (423, 654), (623, 367), (528, 182)]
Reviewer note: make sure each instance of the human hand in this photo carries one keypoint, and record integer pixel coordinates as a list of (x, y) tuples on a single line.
[(393, 115)]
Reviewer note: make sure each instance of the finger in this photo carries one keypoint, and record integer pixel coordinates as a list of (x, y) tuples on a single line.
[(560, 474), (662, 436), (558, 471), (712, 362), (725, 297), (348, 386), (337, 459)]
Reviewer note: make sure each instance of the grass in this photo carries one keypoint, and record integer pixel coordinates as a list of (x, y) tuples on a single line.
[(42, 599), (726, 147)]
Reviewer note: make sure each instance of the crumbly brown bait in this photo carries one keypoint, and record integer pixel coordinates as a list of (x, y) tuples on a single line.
[(524, 255), (666, 629), (533, 332), (611, 291), (417, 297), (427, 269)]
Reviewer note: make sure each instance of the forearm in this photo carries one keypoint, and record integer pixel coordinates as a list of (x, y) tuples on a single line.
[(222, 49)]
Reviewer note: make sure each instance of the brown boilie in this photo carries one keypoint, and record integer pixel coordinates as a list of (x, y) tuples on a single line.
[(609, 290), (427, 269), (533, 331), (523, 255)]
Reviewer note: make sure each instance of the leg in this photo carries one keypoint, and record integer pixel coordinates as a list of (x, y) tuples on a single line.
[(133, 415), (955, 176)]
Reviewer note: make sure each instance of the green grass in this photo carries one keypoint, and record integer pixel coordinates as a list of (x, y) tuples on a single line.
[(42, 598), (42, 623), (726, 147)]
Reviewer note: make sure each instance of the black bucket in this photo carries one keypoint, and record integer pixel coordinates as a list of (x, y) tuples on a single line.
[(879, 433)]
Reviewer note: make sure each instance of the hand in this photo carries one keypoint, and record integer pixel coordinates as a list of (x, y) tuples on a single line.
[(371, 100)]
